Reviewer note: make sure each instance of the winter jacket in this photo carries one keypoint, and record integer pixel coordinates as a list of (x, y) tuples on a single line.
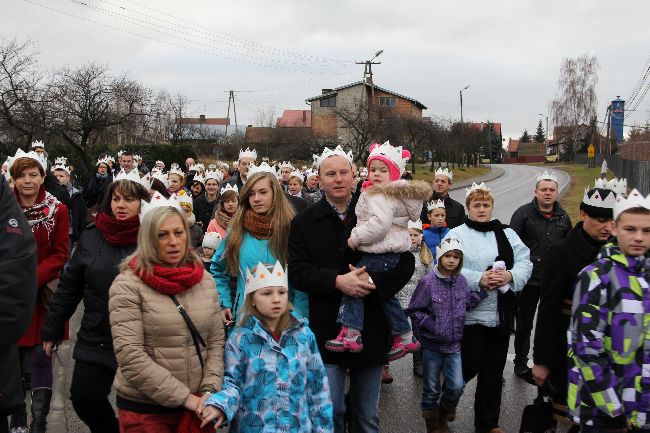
[(318, 253), (88, 276), (251, 252), (432, 237), (437, 310), (539, 233), (78, 215), (215, 227), (404, 295), (610, 322), (383, 213), (156, 358), (479, 252), (196, 233), (454, 211), (96, 189), (299, 204), (311, 195), (562, 263), (204, 210), (274, 386)]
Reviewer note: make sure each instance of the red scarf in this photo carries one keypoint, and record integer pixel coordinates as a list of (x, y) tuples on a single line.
[(171, 281), (119, 233)]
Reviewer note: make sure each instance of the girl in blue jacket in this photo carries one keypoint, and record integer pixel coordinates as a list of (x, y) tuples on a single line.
[(275, 379), (438, 229)]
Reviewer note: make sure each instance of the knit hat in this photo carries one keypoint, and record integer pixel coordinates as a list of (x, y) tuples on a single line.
[(211, 240), (394, 157)]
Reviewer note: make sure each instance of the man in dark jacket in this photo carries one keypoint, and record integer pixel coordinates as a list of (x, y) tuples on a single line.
[(17, 296), (540, 224), (246, 158), (76, 204), (455, 212), (562, 264), (321, 266)]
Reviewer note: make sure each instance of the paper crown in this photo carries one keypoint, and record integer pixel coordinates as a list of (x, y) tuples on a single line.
[(161, 177), (298, 174), (176, 170), (212, 167), (38, 143), (476, 187), (276, 277), (211, 240), (229, 187), (446, 245), (262, 168), (445, 172), (547, 176), (133, 176), (214, 174), (110, 158), (119, 153), (327, 152), (597, 200), (61, 167), (248, 153), (183, 198), (286, 164), (195, 167), (31, 154), (137, 157), (104, 160), (619, 186), (61, 160), (363, 172), (435, 204), (310, 173), (198, 178), (415, 225), (633, 200), (160, 163), (395, 154), (174, 165), (157, 200), (200, 166)]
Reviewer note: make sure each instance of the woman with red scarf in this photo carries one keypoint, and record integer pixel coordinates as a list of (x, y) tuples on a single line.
[(167, 333), (88, 276), (50, 225)]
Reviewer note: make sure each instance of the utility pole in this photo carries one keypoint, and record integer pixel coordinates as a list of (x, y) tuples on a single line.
[(609, 124), (367, 72), (461, 102)]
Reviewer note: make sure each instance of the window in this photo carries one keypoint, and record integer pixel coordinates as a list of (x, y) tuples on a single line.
[(387, 102), (328, 102)]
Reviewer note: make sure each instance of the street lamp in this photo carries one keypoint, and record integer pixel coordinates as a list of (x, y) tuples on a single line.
[(461, 102), (377, 54)]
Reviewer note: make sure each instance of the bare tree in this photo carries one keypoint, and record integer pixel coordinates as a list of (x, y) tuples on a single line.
[(575, 102), (266, 116)]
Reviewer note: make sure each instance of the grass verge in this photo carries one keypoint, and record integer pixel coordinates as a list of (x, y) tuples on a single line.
[(460, 174)]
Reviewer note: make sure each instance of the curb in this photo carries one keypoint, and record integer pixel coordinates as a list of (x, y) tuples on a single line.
[(495, 173)]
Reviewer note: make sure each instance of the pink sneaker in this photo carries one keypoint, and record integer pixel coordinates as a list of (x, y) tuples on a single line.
[(344, 342), (402, 347)]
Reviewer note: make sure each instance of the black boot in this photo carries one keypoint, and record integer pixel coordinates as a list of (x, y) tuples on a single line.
[(40, 408), (417, 363)]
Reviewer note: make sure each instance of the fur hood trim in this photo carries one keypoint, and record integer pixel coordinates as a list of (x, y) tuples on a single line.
[(403, 189)]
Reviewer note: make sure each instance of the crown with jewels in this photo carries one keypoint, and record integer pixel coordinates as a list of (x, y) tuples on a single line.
[(286, 164), (327, 152), (619, 186), (262, 168), (183, 198), (198, 178), (633, 200), (396, 154), (158, 200), (229, 187), (446, 245), (476, 187), (38, 143), (248, 153), (547, 176), (417, 225), (133, 176), (276, 277), (213, 174), (104, 160), (435, 204), (61, 160), (176, 170), (597, 199), (445, 172), (31, 154)]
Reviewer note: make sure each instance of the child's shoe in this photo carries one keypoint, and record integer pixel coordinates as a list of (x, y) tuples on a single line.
[(402, 344), (386, 377), (348, 340)]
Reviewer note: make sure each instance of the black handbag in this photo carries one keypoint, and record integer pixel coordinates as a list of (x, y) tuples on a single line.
[(538, 417), (196, 335)]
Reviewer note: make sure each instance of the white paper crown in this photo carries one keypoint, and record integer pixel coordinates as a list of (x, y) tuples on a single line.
[(310, 173), (183, 198), (31, 154), (194, 167), (214, 174), (161, 177), (174, 165), (435, 204), (363, 172), (597, 201), (160, 163), (158, 200), (391, 152), (286, 164), (229, 187), (211, 240), (200, 166), (601, 183), (327, 152), (38, 143), (102, 161), (445, 172), (248, 153), (111, 159), (212, 167), (619, 186), (633, 200), (277, 277), (176, 170), (446, 245), (476, 187), (61, 160), (547, 176), (415, 225), (298, 174), (61, 167), (262, 168), (137, 157), (198, 178), (133, 176), (119, 153)]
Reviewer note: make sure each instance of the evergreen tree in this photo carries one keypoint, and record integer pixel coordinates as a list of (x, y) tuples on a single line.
[(525, 137), (540, 135)]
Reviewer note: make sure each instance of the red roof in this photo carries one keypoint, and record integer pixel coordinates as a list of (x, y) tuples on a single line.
[(480, 126), (513, 145), (204, 121), (295, 118)]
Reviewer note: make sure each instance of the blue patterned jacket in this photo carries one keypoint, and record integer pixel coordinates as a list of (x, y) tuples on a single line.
[(274, 386)]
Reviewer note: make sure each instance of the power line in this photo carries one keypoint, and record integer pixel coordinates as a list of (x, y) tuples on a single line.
[(629, 126), (642, 77)]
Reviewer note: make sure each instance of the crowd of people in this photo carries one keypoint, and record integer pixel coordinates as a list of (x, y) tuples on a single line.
[(270, 298)]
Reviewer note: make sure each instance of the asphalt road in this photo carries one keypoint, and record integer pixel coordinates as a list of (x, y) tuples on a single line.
[(400, 401)]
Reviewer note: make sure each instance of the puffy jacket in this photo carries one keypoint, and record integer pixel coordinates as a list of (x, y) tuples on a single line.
[(608, 343), (437, 310), (432, 237), (479, 252), (88, 276), (383, 213), (274, 386), (539, 233), (156, 358), (251, 252)]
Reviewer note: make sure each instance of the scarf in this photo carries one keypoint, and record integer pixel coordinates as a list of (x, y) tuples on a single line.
[(42, 211), (101, 176), (171, 281), (223, 218), (118, 233), (259, 226), (506, 302)]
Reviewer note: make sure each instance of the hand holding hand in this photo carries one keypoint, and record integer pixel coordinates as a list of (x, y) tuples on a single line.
[(192, 402), (199, 409), (212, 413), (355, 283), (226, 315)]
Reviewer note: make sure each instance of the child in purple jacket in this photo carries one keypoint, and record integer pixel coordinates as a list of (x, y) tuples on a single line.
[(437, 311)]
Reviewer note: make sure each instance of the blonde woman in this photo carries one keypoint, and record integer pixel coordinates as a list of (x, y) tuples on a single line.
[(166, 355), (259, 232)]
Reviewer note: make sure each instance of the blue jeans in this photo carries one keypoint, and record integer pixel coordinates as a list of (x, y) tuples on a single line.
[(450, 365), (351, 309), (364, 397)]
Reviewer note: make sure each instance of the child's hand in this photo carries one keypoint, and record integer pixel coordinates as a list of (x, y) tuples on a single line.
[(210, 413), (351, 245)]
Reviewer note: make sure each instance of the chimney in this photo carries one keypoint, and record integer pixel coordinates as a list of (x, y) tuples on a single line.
[(304, 116), (202, 117), (326, 91)]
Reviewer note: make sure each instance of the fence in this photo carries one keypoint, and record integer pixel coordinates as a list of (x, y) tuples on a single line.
[(637, 173)]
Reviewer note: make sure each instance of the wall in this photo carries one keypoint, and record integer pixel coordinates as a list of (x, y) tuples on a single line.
[(637, 173)]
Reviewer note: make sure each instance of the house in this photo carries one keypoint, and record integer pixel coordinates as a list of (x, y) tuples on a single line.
[(358, 98), (513, 148), (563, 137), (295, 119)]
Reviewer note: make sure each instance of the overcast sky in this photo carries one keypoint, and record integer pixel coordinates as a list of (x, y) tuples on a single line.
[(284, 51)]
